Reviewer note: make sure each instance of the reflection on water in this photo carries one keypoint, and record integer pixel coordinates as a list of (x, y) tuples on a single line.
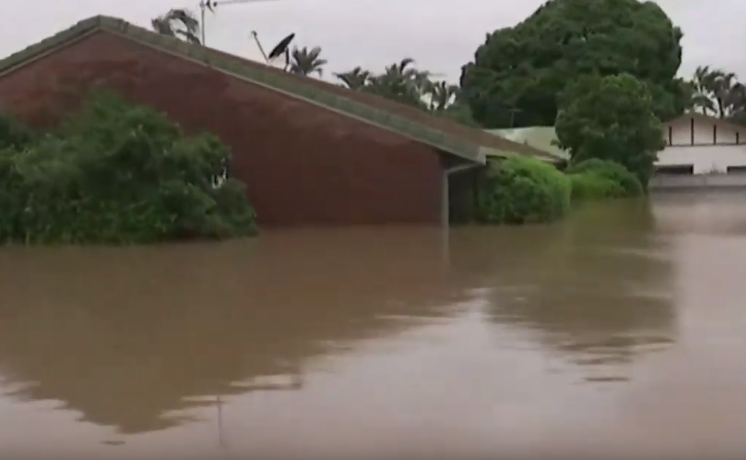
[(619, 330), (151, 326), (598, 288)]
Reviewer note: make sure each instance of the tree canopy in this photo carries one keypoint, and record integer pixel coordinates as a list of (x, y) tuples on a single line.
[(610, 118), (518, 72)]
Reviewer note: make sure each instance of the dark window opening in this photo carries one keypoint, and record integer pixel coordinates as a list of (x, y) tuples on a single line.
[(736, 170), (679, 170)]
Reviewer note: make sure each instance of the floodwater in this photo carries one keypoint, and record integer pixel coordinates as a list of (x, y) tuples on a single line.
[(618, 333)]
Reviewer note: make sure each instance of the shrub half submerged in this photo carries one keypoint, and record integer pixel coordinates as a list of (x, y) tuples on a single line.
[(597, 179), (119, 174), (521, 190)]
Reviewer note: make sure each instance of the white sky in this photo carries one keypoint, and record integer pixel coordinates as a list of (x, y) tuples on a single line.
[(441, 35)]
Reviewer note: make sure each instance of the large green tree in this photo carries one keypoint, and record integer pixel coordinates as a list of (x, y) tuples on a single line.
[(517, 73), (610, 118)]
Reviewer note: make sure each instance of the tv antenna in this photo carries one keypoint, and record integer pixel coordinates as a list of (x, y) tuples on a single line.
[(212, 5)]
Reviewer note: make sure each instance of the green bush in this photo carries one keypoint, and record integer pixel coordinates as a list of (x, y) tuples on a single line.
[(593, 186), (522, 190), (118, 174), (600, 179), (14, 134)]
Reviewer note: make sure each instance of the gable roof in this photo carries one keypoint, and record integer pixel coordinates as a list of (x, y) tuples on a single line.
[(467, 143), (706, 118), (540, 137)]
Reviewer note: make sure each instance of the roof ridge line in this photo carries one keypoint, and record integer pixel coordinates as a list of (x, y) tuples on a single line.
[(263, 75), (231, 64), (260, 74)]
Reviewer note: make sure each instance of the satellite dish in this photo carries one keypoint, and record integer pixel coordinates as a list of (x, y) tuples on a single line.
[(281, 47)]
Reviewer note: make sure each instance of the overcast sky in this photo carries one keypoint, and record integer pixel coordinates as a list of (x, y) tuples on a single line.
[(441, 35)]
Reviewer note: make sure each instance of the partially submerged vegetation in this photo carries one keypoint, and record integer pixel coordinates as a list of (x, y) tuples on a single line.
[(596, 179), (521, 190), (121, 174), (562, 65), (116, 174)]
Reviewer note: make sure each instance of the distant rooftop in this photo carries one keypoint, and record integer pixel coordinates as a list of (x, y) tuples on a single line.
[(538, 137)]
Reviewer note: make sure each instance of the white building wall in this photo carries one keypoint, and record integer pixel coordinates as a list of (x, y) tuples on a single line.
[(707, 144), (701, 130), (704, 158)]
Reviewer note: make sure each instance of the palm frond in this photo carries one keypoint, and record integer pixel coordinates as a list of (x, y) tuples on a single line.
[(306, 61), (178, 22)]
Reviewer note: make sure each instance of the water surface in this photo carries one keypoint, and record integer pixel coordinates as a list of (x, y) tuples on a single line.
[(620, 332)]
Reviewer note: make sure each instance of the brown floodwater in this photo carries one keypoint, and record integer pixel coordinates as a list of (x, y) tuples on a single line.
[(620, 332)]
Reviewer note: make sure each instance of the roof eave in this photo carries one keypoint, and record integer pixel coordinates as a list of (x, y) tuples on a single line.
[(50, 44)]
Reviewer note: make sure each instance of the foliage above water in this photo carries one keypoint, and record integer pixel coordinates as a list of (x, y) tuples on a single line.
[(117, 174), (610, 118), (521, 190), (518, 71), (596, 179)]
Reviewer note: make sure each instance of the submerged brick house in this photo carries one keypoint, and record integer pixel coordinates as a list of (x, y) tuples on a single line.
[(310, 152)]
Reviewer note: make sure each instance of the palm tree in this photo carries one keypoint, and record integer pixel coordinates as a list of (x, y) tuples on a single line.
[(306, 62), (442, 95), (395, 88), (716, 92), (404, 72), (722, 88), (701, 85), (178, 23), (401, 82), (354, 79), (737, 101)]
